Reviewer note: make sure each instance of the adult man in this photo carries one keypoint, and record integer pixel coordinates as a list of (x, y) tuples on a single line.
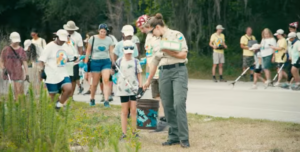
[(152, 45), (54, 59), (76, 44), (248, 58), (295, 58), (217, 42)]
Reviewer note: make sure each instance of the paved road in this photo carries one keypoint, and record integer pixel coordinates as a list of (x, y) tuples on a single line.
[(222, 100)]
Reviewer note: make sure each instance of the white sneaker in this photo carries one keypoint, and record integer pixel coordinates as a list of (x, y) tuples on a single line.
[(254, 86), (276, 84), (267, 83)]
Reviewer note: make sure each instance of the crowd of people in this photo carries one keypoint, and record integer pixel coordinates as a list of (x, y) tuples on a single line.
[(260, 58), (66, 60)]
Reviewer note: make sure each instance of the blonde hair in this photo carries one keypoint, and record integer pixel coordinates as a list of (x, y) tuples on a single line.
[(269, 32)]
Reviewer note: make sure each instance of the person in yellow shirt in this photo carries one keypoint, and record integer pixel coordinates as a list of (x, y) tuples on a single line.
[(248, 59), (280, 54), (217, 42)]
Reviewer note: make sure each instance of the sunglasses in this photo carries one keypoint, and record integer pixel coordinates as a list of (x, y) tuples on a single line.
[(128, 47)]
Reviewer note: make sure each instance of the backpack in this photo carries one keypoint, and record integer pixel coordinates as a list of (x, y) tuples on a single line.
[(135, 61), (251, 41)]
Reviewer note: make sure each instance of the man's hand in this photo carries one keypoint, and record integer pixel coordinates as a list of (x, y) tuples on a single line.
[(146, 85), (225, 46), (27, 78), (215, 47)]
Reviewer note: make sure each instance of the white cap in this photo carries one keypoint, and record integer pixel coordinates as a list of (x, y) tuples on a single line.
[(292, 35), (279, 32), (127, 30), (15, 37), (128, 43), (255, 47), (220, 27), (27, 43), (62, 35)]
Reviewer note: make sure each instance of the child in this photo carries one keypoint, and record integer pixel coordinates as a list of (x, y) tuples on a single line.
[(258, 66), (130, 68)]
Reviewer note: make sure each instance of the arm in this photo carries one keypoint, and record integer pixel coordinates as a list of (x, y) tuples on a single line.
[(88, 53), (2, 59), (138, 48), (244, 47), (112, 55), (140, 80), (44, 43), (225, 45), (179, 55), (25, 67), (211, 45), (80, 50)]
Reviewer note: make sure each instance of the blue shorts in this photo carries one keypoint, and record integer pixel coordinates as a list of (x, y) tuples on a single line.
[(56, 88), (99, 65)]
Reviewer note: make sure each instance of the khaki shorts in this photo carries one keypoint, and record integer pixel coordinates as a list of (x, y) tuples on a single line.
[(218, 58), (155, 88), (248, 61)]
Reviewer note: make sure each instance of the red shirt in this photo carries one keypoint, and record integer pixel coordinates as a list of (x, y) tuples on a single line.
[(12, 63)]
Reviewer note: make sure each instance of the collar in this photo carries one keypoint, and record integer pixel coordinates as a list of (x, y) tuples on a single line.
[(296, 39)]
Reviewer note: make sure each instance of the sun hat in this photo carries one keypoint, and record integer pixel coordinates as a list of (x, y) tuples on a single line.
[(279, 32), (62, 35), (71, 26), (141, 20), (15, 37), (127, 30), (128, 46), (27, 43), (220, 27), (291, 35), (255, 47)]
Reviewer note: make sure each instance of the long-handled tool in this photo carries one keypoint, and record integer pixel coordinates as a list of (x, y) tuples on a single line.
[(137, 93), (237, 79), (280, 69)]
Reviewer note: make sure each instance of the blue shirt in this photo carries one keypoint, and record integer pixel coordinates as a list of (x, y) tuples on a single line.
[(119, 50), (101, 47)]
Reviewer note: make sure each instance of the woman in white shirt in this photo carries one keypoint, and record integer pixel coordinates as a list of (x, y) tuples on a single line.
[(267, 52), (40, 43)]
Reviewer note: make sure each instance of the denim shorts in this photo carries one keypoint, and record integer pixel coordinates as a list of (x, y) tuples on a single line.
[(56, 88), (267, 62), (98, 65)]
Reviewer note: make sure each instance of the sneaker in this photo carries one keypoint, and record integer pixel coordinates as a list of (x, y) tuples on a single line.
[(277, 84), (102, 100), (267, 83), (106, 104), (123, 136), (80, 90), (170, 143), (295, 87), (110, 98), (285, 86), (254, 86), (136, 135), (87, 93), (56, 107), (161, 126), (215, 80), (185, 143), (92, 102), (223, 80)]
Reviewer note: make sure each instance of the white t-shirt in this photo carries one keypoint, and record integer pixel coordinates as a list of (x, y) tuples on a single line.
[(129, 69), (55, 58), (265, 46), (40, 44), (135, 39), (70, 54), (76, 41)]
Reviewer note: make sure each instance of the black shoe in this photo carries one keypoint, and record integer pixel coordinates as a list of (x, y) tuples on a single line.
[(92, 102), (185, 143), (163, 119), (87, 93), (80, 90), (170, 143), (123, 136), (136, 135), (161, 126), (223, 80)]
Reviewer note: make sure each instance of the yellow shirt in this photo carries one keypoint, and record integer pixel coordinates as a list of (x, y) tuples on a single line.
[(217, 40), (282, 43), (244, 41)]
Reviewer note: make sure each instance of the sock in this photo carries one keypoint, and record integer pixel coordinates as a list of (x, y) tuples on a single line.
[(214, 77), (58, 104), (221, 77)]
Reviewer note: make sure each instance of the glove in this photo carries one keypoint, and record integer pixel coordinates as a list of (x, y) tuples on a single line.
[(43, 74), (113, 66), (27, 78), (140, 93)]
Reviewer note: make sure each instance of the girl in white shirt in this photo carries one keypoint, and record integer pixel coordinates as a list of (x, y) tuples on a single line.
[(267, 52)]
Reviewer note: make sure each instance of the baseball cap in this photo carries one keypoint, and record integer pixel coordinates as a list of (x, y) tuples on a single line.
[(294, 24), (127, 30), (279, 32), (141, 20), (220, 27), (62, 35), (255, 47), (15, 37), (292, 35), (128, 46), (27, 43)]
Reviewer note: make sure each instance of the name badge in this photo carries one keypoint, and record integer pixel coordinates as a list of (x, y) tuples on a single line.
[(170, 45)]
